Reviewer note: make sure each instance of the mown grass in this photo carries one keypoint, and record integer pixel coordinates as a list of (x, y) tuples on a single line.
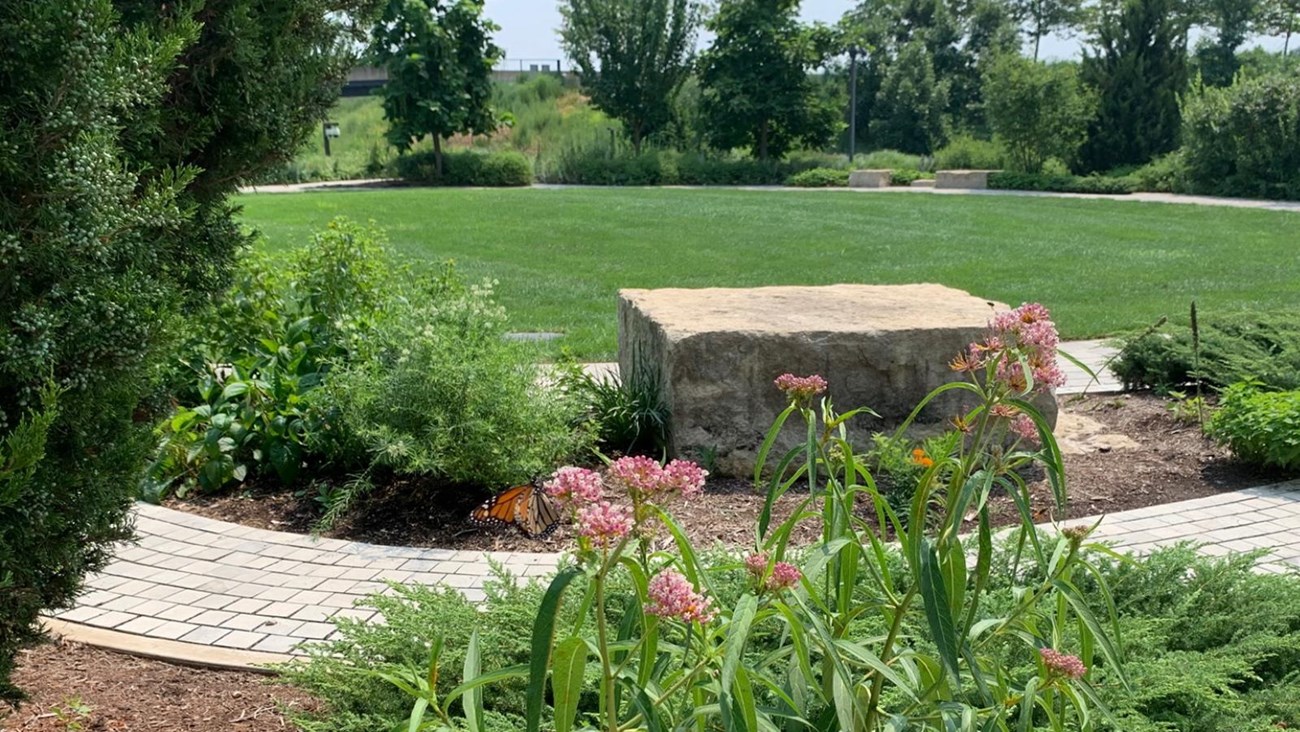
[(561, 255)]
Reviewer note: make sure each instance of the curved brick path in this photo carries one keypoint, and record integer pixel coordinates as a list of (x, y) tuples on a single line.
[(196, 580), (215, 586), (205, 591)]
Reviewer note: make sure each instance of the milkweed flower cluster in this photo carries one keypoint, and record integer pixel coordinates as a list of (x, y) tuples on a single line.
[(604, 523), (582, 493), (800, 388), (672, 596), (784, 575), (1026, 333), (1062, 664), (571, 485), (642, 476)]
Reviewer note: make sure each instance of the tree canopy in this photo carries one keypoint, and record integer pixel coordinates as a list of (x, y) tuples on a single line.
[(633, 56)]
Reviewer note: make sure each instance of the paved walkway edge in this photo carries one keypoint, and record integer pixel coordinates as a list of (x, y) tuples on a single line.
[(186, 654)]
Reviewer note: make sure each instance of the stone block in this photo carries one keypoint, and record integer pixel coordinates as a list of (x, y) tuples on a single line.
[(714, 353), (922, 183), (870, 178), (966, 179)]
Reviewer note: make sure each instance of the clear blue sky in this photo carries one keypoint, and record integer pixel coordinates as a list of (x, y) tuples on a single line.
[(528, 28)]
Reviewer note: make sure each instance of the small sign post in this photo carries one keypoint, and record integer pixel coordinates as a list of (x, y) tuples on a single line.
[(329, 129)]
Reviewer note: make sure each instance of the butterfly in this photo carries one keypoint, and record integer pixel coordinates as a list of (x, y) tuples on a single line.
[(526, 507)]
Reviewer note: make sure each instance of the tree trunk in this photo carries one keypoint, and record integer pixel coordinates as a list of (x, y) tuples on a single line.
[(437, 155), (762, 140), (636, 139)]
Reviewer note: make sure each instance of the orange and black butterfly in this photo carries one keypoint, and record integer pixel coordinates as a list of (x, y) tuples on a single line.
[(526, 507)]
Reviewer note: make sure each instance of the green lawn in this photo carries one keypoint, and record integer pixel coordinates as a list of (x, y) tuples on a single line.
[(561, 255)]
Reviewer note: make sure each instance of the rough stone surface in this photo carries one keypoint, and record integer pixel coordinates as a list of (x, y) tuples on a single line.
[(713, 354), (922, 183), (870, 178), (968, 179)]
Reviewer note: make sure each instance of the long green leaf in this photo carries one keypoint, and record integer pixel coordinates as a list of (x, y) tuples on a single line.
[(937, 611), (768, 440), (543, 635), (566, 680), (1080, 607), (473, 702), (744, 700), (733, 649)]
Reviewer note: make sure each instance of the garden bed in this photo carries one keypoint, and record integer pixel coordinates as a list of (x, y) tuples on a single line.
[(78, 687), (1171, 462)]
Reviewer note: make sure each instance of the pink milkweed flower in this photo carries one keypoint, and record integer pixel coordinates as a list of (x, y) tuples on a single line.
[(799, 388), (685, 477), (672, 596), (575, 486), (756, 564), (636, 474), (784, 575), (1063, 664), (604, 523), (1026, 332), (1024, 428)]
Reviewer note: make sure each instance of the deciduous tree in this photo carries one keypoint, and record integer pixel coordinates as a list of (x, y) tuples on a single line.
[(633, 56), (756, 89), (439, 56)]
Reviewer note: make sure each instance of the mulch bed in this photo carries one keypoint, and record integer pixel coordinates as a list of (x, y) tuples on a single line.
[(1173, 461), (77, 687)]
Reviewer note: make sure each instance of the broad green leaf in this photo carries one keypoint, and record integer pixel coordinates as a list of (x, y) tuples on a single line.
[(473, 702), (566, 680), (732, 650), (937, 610), (543, 634)]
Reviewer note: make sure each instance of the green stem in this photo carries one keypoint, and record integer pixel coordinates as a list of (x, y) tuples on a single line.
[(887, 652), (607, 675)]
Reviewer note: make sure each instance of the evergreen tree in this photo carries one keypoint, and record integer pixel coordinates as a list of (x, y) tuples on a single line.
[(633, 56), (127, 125), (1138, 69), (439, 56), (756, 91)]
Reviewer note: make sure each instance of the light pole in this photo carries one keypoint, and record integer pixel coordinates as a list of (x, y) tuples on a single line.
[(853, 101)]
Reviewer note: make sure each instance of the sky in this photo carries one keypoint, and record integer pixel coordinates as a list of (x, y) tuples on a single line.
[(528, 28)]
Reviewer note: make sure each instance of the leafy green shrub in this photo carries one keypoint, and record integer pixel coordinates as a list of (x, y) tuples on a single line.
[(467, 168), (595, 167), (1165, 174), (1237, 347), (1037, 110), (905, 177), (1244, 140), (1059, 183), (1258, 425), (256, 358), (819, 178), (891, 160), (964, 152), (442, 394)]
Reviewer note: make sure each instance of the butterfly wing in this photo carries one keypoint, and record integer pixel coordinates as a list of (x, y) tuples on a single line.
[(503, 509), (543, 515)]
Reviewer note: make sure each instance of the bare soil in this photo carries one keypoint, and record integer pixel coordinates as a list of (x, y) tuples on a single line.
[(78, 687), (1164, 459)]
